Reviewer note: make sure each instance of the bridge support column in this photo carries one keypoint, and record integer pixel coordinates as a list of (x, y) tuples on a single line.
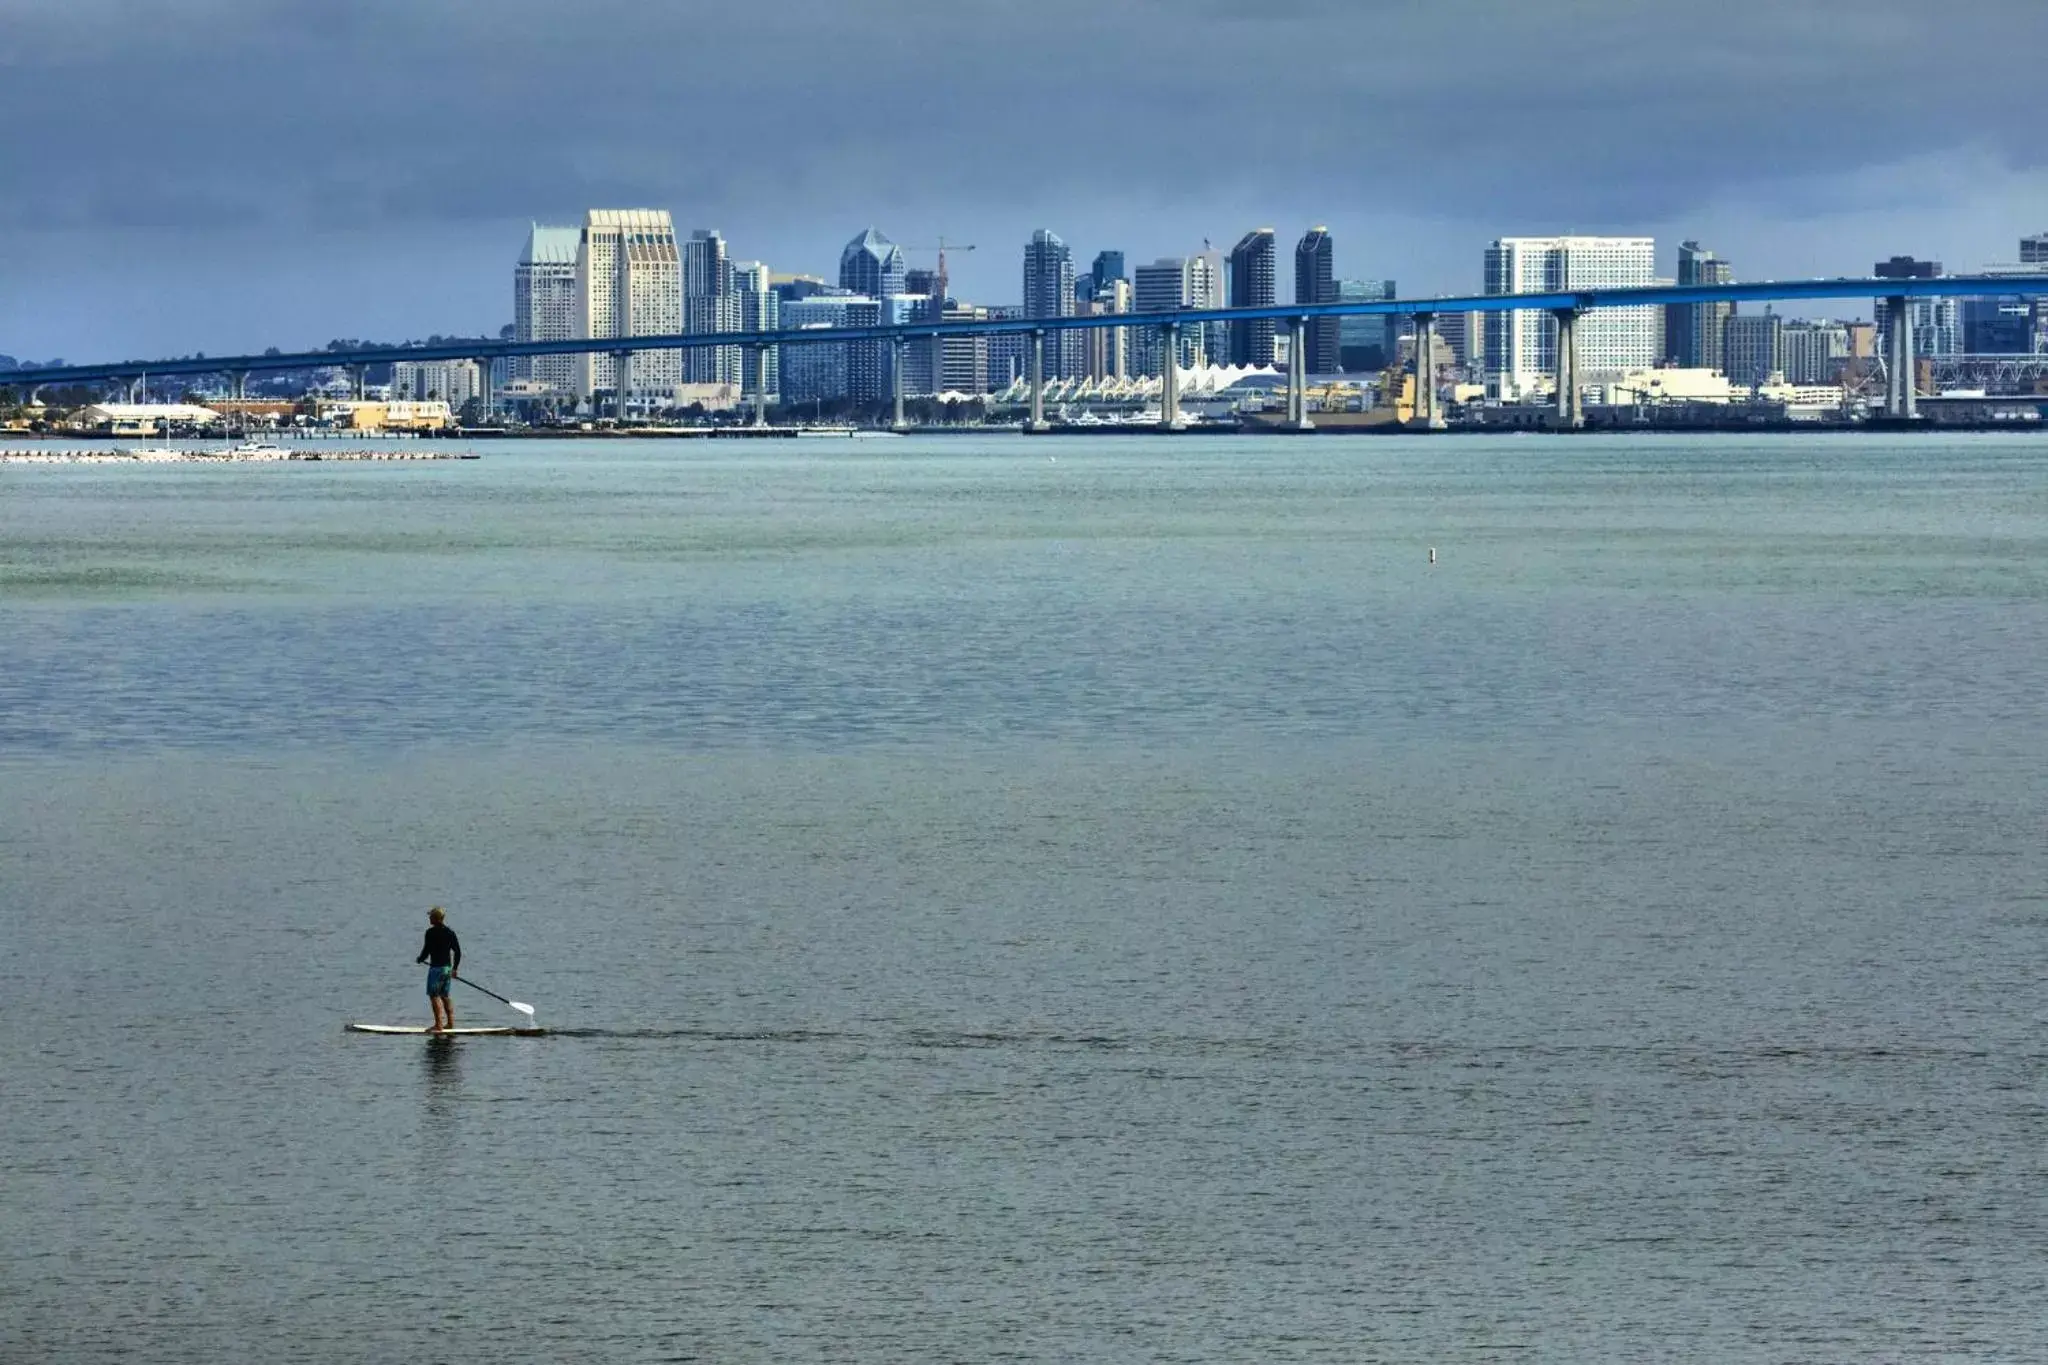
[(1570, 416), (1428, 416), (136, 388), (486, 392), (622, 383), (1297, 377), (897, 423), (1900, 397), (1037, 422), (759, 356), (1169, 377), (240, 380)]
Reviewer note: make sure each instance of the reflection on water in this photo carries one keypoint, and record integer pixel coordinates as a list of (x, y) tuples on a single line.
[(441, 1059)]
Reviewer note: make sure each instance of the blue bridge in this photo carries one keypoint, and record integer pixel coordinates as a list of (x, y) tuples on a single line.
[(1566, 306)]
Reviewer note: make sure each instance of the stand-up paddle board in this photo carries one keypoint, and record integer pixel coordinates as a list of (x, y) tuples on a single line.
[(448, 1032)]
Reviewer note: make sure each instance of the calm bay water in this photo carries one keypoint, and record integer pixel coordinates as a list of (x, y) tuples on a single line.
[(1050, 900)]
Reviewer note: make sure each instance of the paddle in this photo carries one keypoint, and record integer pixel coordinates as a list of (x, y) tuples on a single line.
[(523, 1009)]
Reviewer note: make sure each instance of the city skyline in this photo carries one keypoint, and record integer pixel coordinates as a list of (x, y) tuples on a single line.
[(285, 166)]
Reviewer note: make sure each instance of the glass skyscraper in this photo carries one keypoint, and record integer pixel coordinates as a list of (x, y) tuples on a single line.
[(1315, 281), (1251, 286)]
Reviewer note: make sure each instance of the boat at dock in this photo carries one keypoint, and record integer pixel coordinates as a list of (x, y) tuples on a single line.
[(249, 452)]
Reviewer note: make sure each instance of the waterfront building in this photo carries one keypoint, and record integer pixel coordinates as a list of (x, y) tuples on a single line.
[(1008, 352), (2034, 249), (1049, 293), (1813, 351), (544, 304), (629, 283), (2002, 325), (1750, 348), (709, 306), (963, 360), (453, 382), (1521, 346), (1937, 323), (759, 310), (829, 371), (1369, 342), (1315, 281), (1694, 331), (1251, 286)]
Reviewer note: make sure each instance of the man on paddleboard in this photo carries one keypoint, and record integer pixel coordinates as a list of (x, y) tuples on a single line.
[(442, 952)]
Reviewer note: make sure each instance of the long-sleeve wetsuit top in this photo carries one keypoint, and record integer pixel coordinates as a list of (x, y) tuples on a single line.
[(442, 948)]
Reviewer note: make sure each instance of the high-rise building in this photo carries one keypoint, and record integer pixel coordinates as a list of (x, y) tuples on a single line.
[(2001, 325), (828, 371), (1368, 341), (1251, 286), (1463, 338), (544, 304), (1109, 265), (1813, 352), (629, 283), (1693, 332), (1049, 293), (1521, 346), (1936, 322), (1315, 281), (2034, 249), (1009, 353), (709, 306), (759, 310), (1107, 350), (924, 358), (790, 288), (871, 265), (963, 360), (1750, 348), (1171, 284), (1207, 277)]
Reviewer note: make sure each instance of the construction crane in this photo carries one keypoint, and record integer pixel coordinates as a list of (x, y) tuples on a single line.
[(939, 280)]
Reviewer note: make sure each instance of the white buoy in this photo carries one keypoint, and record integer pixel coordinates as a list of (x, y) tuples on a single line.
[(1432, 554)]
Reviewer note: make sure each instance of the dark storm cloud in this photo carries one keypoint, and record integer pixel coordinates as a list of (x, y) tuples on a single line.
[(1418, 126)]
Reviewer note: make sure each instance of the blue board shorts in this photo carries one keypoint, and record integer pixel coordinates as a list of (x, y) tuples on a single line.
[(437, 982)]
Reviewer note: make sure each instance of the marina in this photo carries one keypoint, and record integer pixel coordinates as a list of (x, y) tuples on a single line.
[(249, 452)]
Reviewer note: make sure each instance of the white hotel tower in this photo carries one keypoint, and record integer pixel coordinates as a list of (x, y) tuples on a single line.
[(1521, 347), (629, 282), (544, 304)]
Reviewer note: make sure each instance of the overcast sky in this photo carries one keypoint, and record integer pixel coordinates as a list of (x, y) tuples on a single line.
[(222, 175)]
